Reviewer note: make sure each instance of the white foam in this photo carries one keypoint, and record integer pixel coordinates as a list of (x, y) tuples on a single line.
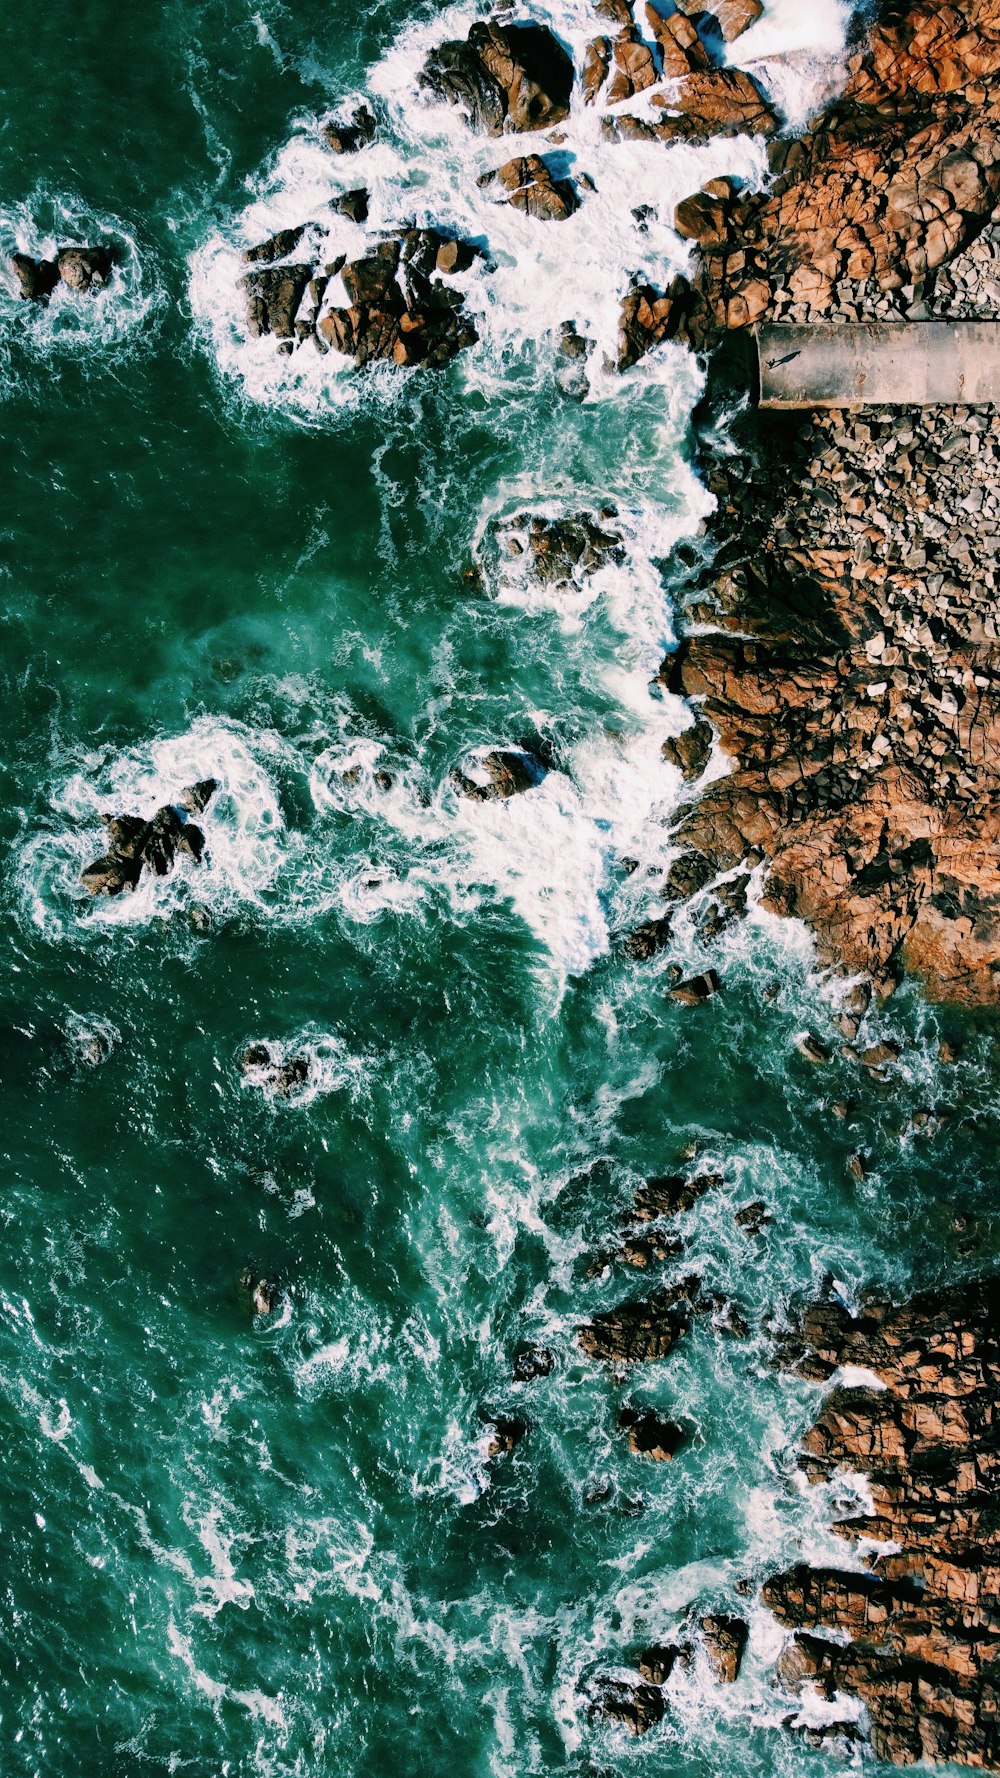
[(330, 1068)]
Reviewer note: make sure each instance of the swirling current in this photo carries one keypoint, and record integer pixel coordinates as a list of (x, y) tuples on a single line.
[(277, 1543)]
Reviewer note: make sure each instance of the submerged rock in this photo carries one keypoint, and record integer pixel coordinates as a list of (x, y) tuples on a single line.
[(649, 1436), (532, 1361), (263, 1066), (263, 1292), (505, 77)]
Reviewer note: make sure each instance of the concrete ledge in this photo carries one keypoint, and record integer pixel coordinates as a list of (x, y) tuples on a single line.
[(880, 364)]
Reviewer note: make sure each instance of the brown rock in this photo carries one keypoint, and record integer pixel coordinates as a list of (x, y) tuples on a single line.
[(528, 184), (725, 1639), (517, 77)]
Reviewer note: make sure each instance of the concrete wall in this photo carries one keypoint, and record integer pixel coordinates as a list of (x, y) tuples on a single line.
[(897, 364)]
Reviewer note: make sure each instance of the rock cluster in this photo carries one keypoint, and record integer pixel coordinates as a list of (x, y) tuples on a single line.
[(135, 845), (263, 1065), (85, 270), (853, 676), (917, 1625), (398, 306), (505, 77), (561, 551)]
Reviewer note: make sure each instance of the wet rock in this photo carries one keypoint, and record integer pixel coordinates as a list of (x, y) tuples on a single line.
[(649, 1436), (812, 1049), (672, 1195), (729, 17), (399, 309), (352, 204), (697, 988), (273, 297), (634, 1703), (725, 1639), (917, 1631), (532, 1361), (687, 876), (752, 1218), (646, 940), (276, 247), (505, 1432), (197, 797), (505, 77), (35, 278), (264, 1292), (640, 1332), (658, 1662), (84, 269), (500, 774), (563, 551), (135, 845), (690, 751), (529, 184), (347, 137)]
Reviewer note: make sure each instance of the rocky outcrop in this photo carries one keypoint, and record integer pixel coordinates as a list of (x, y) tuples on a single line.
[(529, 184), (263, 1065), (136, 845), (918, 1624), (854, 679), (398, 305), (633, 1703), (504, 77), (705, 103), (650, 1436), (640, 1332), (348, 135), (494, 777), (84, 270), (558, 552), (725, 1641)]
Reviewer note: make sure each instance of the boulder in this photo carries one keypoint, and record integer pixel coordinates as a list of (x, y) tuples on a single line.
[(725, 1639), (347, 137), (504, 1433), (505, 77), (634, 1703), (644, 941), (273, 297), (697, 989), (729, 17), (279, 246), (649, 1436), (500, 774), (658, 1662), (640, 1332), (529, 184), (690, 751), (399, 309), (36, 278), (84, 269), (135, 845)]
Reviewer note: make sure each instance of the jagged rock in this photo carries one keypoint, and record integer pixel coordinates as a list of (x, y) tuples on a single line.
[(505, 1432), (352, 204), (672, 1195), (639, 1332), (922, 1626), (634, 1703), (687, 876), (752, 1218), (658, 1662), (505, 77), (273, 297), (697, 989), (707, 102), (649, 1436), (730, 17), (263, 1292), (561, 551), (501, 773), (276, 247), (681, 49), (357, 132), (399, 309), (644, 941), (596, 66), (725, 1639), (529, 184), (136, 845), (812, 1049), (690, 751)]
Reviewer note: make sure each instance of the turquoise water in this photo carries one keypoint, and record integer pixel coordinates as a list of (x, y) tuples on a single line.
[(276, 1545)]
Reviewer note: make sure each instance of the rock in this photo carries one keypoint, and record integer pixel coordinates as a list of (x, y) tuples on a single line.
[(690, 751), (513, 77), (273, 297), (658, 1662), (811, 1048), (634, 1703), (640, 1332), (36, 278), (878, 1055), (532, 1361), (505, 1432), (264, 1293), (399, 309), (697, 989), (918, 1629), (681, 49), (687, 876), (644, 941), (136, 845), (564, 551), (752, 1218), (276, 247), (725, 1639), (197, 797), (529, 184), (730, 17), (352, 204), (84, 269), (346, 138), (500, 774), (649, 1436), (672, 1195)]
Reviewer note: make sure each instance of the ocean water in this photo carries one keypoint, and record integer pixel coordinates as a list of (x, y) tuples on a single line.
[(276, 1544)]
